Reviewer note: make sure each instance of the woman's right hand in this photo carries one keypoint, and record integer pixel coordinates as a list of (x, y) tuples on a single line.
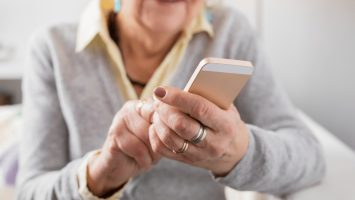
[(126, 151)]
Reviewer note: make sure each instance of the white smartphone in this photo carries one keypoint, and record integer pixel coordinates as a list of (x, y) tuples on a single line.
[(220, 80)]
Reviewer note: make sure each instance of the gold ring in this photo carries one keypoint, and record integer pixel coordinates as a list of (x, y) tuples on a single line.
[(183, 148), (140, 105)]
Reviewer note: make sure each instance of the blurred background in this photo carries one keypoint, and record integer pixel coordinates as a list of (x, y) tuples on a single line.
[(310, 45)]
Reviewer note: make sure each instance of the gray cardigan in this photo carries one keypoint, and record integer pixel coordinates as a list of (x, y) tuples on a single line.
[(71, 98)]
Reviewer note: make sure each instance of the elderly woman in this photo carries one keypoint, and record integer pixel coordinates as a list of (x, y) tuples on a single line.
[(88, 136)]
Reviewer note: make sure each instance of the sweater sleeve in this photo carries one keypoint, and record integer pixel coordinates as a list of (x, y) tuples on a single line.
[(45, 169), (283, 156)]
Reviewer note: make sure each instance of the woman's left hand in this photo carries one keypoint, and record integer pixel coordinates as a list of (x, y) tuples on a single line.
[(175, 120)]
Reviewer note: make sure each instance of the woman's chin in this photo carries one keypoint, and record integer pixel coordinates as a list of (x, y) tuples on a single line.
[(161, 5), (165, 26), (165, 15), (169, 2), (165, 22)]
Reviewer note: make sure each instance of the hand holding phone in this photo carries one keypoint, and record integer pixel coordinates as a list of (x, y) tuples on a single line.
[(219, 80), (217, 135)]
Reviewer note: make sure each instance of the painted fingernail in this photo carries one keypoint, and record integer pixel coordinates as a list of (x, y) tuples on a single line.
[(160, 92)]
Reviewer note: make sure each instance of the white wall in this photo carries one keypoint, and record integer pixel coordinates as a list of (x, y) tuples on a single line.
[(311, 45), (248, 7), (18, 19)]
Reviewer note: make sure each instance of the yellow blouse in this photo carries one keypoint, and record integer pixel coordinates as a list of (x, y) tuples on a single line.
[(93, 23)]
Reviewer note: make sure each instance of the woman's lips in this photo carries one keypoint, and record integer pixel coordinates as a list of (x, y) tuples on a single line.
[(170, 0)]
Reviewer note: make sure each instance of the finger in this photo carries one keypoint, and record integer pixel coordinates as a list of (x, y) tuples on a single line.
[(198, 107), (138, 126), (210, 146), (147, 110), (180, 123), (193, 155), (174, 142), (132, 146), (159, 147), (169, 138), (136, 123), (158, 156)]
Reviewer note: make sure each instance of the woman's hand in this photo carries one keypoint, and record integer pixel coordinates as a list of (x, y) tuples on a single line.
[(227, 137), (126, 152)]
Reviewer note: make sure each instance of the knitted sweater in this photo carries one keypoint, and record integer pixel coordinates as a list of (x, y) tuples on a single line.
[(71, 98)]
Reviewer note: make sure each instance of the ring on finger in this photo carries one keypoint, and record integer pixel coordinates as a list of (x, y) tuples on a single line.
[(200, 135), (140, 105), (183, 148)]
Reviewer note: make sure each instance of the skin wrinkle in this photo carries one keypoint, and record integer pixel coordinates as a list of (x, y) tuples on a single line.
[(167, 135), (266, 154), (145, 38), (179, 123), (113, 169), (163, 108), (135, 123), (217, 149)]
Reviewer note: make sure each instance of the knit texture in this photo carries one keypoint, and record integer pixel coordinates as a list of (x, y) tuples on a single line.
[(71, 98)]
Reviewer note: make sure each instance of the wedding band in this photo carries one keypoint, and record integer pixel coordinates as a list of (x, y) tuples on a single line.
[(198, 140), (198, 135), (140, 105), (183, 148)]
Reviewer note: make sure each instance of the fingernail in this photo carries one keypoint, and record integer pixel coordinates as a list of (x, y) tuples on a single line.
[(160, 92), (154, 98)]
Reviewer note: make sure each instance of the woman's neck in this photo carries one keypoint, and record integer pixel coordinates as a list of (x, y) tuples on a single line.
[(135, 37), (142, 50)]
